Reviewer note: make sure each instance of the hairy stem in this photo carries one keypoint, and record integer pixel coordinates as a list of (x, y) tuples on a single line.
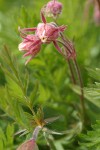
[(69, 49), (69, 63), (71, 71), (36, 132)]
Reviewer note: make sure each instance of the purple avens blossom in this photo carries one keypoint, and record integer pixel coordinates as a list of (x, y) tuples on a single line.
[(53, 9), (44, 33), (31, 45), (48, 32)]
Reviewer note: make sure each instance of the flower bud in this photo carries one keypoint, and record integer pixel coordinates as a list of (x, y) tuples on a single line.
[(28, 145), (53, 9)]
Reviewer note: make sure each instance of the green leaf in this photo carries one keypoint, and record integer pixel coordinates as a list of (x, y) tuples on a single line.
[(1, 145), (91, 93), (33, 94), (26, 81), (50, 120), (91, 140), (10, 134), (2, 136), (44, 94), (95, 73)]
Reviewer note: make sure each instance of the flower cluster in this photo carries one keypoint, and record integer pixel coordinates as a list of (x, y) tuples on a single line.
[(44, 33)]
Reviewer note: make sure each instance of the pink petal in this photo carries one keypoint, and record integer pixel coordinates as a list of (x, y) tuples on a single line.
[(26, 30), (22, 46), (35, 43), (33, 55), (29, 60), (27, 54), (62, 28)]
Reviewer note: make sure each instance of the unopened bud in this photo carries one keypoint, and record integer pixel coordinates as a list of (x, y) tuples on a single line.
[(53, 9)]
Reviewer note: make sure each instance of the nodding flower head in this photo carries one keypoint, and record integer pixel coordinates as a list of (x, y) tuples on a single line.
[(31, 45), (48, 32), (44, 33), (53, 9)]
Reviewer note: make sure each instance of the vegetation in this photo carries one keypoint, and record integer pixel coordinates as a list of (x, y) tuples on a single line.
[(41, 96)]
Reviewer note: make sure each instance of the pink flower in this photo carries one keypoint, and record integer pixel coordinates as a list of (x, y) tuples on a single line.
[(31, 45), (53, 8), (48, 32), (44, 33)]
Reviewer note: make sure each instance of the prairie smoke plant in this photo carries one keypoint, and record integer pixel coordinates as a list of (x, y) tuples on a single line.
[(46, 33)]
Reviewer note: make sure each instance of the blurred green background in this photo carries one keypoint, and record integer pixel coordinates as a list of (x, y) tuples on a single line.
[(49, 67)]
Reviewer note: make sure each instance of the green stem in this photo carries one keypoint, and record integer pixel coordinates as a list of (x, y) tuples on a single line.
[(81, 87)]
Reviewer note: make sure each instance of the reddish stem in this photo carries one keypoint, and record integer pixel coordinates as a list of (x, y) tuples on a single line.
[(70, 50), (71, 71), (64, 46)]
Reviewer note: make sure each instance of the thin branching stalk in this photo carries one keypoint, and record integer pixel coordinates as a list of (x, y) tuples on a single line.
[(70, 51), (71, 71)]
